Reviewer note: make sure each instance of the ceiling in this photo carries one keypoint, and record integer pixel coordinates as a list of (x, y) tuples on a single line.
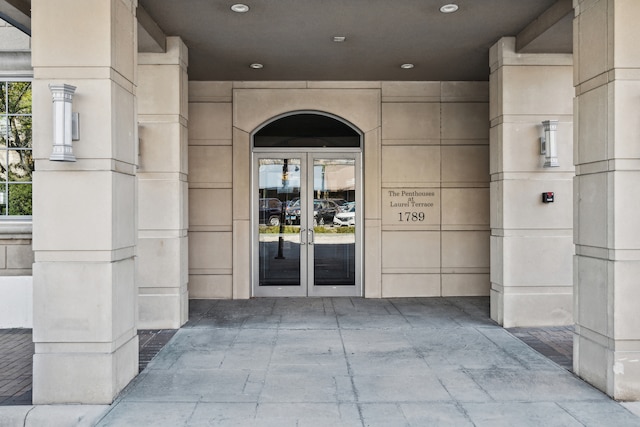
[(293, 38)]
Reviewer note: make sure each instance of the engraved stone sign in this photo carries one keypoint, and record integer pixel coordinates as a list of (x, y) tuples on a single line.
[(410, 207)]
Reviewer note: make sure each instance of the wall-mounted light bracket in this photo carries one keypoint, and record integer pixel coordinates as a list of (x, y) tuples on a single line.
[(62, 95), (75, 126), (548, 144)]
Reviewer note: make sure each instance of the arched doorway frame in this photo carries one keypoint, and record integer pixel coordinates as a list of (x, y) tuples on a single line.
[(340, 267), (254, 107), (311, 112)]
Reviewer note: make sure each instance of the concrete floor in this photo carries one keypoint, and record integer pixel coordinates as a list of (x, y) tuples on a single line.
[(355, 362), (16, 362)]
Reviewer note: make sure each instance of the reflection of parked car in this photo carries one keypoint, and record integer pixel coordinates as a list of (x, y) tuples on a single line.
[(348, 206), (292, 204), (323, 212), (346, 218), (270, 210), (293, 211), (341, 203)]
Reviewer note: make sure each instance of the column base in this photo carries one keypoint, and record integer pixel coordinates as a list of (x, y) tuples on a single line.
[(531, 309), (162, 278), (87, 378), (163, 311), (616, 373)]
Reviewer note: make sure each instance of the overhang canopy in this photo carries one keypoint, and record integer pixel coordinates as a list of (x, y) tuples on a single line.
[(294, 39)]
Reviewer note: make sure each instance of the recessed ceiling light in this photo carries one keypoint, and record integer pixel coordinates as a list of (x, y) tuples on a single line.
[(449, 8), (240, 8), (339, 39), (407, 66), (256, 66)]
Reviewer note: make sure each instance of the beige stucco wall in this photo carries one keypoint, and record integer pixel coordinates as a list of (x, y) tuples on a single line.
[(531, 241), (16, 285), (435, 139), (162, 256), (16, 255), (429, 137), (607, 185), (210, 185)]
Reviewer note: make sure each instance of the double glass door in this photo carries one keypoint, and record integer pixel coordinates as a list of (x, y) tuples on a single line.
[(306, 224)]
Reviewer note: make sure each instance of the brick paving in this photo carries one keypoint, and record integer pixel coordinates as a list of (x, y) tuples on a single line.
[(151, 342), (556, 343), (16, 350), (16, 355)]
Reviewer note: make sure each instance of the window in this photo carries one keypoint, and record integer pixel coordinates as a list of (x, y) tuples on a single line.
[(307, 130), (16, 155)]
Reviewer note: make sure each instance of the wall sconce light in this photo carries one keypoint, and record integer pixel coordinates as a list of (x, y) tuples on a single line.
[(548, 144), (65, 123)]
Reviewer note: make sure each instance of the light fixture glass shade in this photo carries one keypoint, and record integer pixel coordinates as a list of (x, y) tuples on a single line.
[(62, 95), (449, 8), (240, 8), (551, 146)]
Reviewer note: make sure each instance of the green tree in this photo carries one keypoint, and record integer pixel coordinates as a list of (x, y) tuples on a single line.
[(20, 199), (16, 156)]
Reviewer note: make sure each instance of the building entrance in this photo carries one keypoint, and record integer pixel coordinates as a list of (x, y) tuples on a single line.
[(306, 218), (307, 225)]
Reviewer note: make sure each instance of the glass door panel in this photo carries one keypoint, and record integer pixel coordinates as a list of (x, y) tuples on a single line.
[(333, 249), (280, 258), (306, 224)]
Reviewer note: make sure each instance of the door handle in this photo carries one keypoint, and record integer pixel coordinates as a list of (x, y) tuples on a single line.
[(302, 236), (310, 237)]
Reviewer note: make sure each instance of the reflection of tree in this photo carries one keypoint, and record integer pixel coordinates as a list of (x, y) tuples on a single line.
[(17, 136), (20, 199), (16, 157)]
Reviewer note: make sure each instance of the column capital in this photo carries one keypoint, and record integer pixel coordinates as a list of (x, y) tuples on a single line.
[(504, 53), (177, 54), (69, 34)]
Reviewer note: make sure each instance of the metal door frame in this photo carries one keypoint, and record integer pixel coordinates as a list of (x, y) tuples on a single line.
[(306, 287)]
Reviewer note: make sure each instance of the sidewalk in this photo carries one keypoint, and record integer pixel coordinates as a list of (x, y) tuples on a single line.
[(355, 362), (16, 352), (345, 362)]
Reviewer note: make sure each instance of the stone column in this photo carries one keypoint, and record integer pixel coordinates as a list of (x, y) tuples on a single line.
[(607, 203), (531, 241), (84, 222), (162, 187)]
